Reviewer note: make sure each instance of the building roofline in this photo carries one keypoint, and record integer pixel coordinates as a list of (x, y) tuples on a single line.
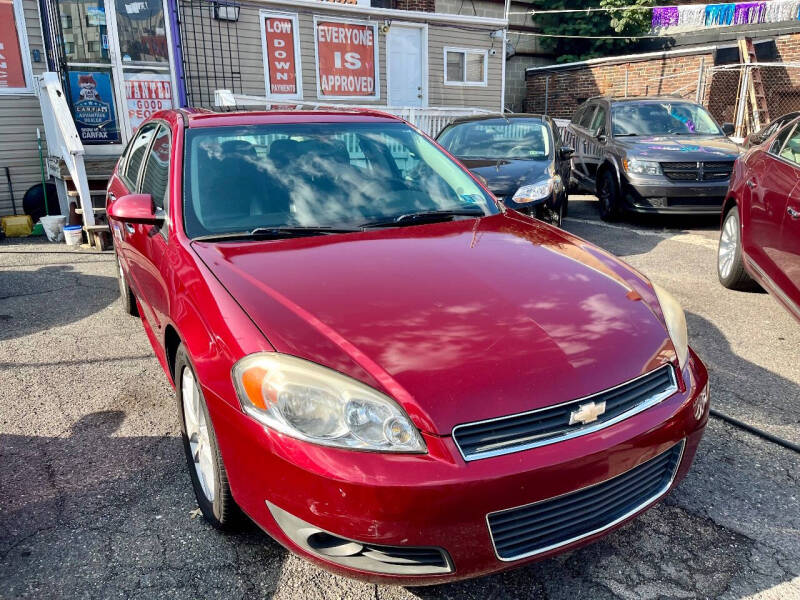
[(610, 60), (417, 15)]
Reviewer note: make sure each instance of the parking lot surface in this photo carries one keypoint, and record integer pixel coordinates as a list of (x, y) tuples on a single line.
[(95, 499)]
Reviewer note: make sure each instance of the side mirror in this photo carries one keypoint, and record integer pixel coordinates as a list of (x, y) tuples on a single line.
[(135, 208), (728, 128), (565, 152), (600, 136)]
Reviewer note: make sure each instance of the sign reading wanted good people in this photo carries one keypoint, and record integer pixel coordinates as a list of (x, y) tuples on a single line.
[(347, 59)]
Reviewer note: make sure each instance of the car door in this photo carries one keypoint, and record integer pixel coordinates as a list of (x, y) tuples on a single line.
[(596, 141), (582, 141), (789, 254), (125, 181), (148, 243), (772, 178)]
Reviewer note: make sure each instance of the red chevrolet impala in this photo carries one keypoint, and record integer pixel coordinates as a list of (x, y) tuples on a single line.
[(760, 238), (388, 371)]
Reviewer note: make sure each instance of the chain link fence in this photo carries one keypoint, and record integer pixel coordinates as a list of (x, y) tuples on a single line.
[(748, 95)]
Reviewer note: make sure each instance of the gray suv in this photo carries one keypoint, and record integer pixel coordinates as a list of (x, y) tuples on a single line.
[(650, 155)]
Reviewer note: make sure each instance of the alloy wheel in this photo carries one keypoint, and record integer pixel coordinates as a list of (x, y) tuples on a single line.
[(197, 433), (728, 243)]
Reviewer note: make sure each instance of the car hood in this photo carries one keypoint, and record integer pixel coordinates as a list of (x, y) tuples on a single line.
[(504, 176), (458, 321), (679, 148)]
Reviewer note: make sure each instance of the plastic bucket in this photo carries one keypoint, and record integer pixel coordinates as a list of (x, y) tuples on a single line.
[(54, 227), (73, 235)]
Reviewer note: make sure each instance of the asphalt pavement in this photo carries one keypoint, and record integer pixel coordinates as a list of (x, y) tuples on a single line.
[(95, 500)]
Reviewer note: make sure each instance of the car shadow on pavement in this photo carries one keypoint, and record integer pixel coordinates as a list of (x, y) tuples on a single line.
[(57, 295), (743, 389)]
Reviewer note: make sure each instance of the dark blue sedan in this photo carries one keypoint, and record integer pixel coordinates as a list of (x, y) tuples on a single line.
[(520, 156)]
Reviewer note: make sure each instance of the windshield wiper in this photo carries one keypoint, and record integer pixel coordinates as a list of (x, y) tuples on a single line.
[(273, 233), (427, 216), (625, 134)]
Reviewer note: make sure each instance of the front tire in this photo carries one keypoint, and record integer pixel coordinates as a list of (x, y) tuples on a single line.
[(609, 196), (730, 260), (207, 472)]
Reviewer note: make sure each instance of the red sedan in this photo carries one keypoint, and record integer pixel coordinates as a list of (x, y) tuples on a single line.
[(760, 238), (389, 372)]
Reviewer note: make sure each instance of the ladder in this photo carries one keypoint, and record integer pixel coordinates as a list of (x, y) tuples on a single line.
[(758, 98)]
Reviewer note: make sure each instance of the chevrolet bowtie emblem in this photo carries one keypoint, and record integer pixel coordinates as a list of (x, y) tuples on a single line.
[(586, 413)]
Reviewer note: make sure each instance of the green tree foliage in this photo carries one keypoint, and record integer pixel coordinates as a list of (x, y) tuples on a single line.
[(614, 23)]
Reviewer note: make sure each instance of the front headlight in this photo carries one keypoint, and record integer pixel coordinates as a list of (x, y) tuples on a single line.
[(676, 323), (313, 403), (641, 167), (535, 191)]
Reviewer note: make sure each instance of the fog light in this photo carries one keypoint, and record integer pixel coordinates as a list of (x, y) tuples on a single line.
[(701, 403), (397, 560)]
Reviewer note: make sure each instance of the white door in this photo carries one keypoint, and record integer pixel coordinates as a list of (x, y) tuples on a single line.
[(407, 63)]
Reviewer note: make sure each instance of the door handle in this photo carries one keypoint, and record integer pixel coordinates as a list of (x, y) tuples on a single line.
[(751, 184), (795, 214)]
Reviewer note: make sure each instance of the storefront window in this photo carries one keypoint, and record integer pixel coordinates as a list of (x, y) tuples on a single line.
[(14, 65), (83, 23), (142, 34)]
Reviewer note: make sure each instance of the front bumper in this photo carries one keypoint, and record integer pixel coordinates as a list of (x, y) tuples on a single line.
[(662, 196), (437, 500)]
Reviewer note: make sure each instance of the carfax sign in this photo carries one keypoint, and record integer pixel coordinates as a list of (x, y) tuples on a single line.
[(347, 59), (93, 107)]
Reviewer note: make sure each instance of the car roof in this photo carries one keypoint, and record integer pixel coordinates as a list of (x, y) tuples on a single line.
[(195, 118), (487, 117)]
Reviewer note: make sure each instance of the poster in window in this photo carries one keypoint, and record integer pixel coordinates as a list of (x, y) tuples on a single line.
[(281, 56), (12, 73), (347, 59), (93, 107), (146, 94)]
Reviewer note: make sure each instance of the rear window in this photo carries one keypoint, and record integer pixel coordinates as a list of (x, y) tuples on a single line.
[(499, 138), (317, 175)]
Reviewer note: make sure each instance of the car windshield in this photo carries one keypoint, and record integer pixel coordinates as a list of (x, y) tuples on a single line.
[(662, 118), (498, 138), (319, 175)]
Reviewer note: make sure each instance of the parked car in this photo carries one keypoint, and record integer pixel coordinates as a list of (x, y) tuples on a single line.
[(388, 371), (651, 155), (521, 158), (766, 132), (760, 237)]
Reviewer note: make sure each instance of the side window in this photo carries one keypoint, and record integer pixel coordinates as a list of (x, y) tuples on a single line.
[(576, 116), (599, 121), (791, 149), (156, 170), (778, 143), (135, 159), (587, 117)]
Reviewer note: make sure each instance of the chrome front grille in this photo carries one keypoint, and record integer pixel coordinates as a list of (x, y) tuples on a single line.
[(513, 433), (542, 526)]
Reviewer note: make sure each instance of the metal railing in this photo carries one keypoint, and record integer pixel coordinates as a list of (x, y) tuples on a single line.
[(431, 120), (62, 137)]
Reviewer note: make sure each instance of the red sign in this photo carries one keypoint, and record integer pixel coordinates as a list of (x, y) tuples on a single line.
[(12, 74), (280, 56), (346, 63)]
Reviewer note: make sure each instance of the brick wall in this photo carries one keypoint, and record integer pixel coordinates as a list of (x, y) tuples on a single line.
[(568, 87), (422, 5)]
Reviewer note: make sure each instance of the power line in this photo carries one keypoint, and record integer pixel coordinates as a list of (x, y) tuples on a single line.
[(554, 11), (593, 37)]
